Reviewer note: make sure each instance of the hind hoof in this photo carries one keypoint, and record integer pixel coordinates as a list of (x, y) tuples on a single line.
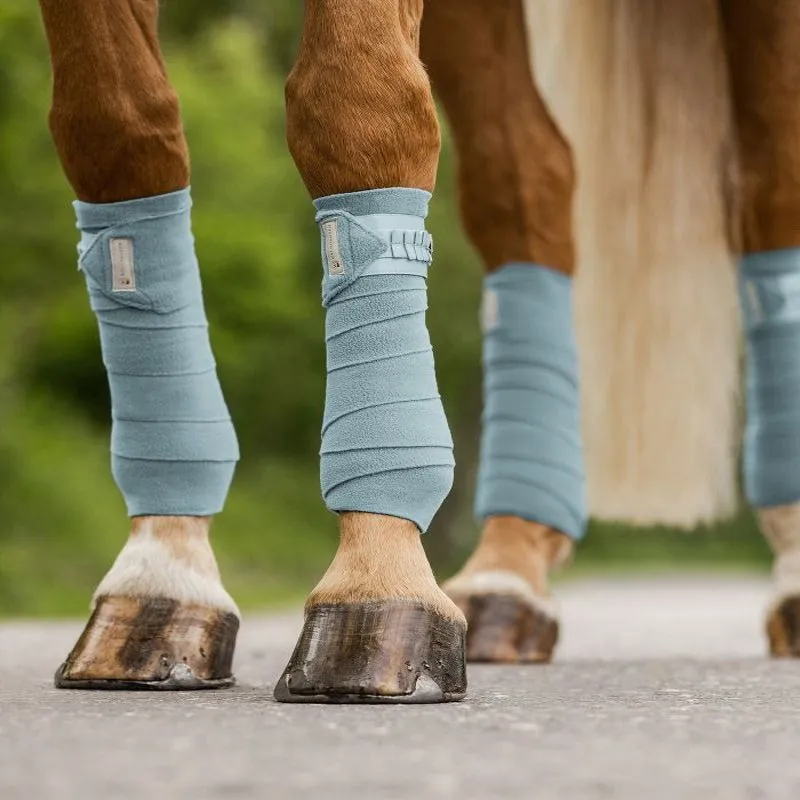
[(152, 643), (783, 628), (504, 629), (375, 652)]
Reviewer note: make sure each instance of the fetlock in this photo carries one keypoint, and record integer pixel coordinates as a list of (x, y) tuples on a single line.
[(377, 627), (781, 528), (161, 618), (503, 591)]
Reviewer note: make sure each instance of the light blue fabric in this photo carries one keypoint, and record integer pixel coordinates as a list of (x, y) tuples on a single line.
[(531, 463), (386, 446), (173, 445), (769, 285)]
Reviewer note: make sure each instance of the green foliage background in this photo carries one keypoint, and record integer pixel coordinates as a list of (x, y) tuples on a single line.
[(61, 518)]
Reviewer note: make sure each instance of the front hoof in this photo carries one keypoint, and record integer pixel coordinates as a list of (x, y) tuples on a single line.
[(783, 628), (504, 629), (152, 643), (375, 652)]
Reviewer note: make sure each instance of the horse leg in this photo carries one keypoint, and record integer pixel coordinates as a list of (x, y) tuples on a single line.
[(161, 617), (516, 186), (362, 130), (764, 60)]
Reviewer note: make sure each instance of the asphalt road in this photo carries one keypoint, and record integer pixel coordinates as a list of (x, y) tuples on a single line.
[(660, 691)]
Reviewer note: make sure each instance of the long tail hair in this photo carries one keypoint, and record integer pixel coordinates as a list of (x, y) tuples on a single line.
[(640, 90)]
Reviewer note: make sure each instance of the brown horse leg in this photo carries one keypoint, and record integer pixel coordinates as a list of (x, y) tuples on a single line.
[(360, 116), (115, 118), (764, 61), (764, 64), (161, 618), (516, 186)]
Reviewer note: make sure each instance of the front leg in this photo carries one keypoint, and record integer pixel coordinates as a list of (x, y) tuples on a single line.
[(161, 618), (363, 132)]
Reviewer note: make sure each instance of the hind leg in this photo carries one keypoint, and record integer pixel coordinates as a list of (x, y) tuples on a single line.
[(363, 132), (516, 186), (161, 618), (764, 58)]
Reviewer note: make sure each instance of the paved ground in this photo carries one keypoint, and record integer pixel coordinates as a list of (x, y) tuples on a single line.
[(660, 693)]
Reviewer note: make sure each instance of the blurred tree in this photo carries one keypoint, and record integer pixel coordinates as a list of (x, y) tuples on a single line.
[(188, 18), (281, 21)]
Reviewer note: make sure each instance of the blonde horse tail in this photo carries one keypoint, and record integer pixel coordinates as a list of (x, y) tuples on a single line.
[(640, 91)]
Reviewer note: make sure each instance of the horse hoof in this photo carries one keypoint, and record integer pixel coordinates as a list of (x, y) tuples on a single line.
[(504, 629), (783, 628), (152, 643), (375, 652)]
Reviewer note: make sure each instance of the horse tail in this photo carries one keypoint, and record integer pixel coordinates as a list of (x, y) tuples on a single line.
[(640, 91)]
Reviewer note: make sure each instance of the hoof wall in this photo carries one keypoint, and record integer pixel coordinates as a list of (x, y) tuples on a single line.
[(152, 644), (783, 629), (376, 652), (503, 629)]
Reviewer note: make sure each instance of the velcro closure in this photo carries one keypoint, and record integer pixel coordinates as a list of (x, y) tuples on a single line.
[(413, 245), (351, 248)]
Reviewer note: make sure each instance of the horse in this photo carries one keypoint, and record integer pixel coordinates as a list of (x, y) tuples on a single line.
[(654, 145)]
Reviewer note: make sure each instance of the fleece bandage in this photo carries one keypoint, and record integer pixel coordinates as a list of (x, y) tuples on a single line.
[(531, 462), (173, 444), (770, 296), (386, 446)]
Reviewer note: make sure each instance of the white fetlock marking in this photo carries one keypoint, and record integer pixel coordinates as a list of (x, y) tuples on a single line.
[(146, 568), (781, 528), (502, 582), (786, 575)]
